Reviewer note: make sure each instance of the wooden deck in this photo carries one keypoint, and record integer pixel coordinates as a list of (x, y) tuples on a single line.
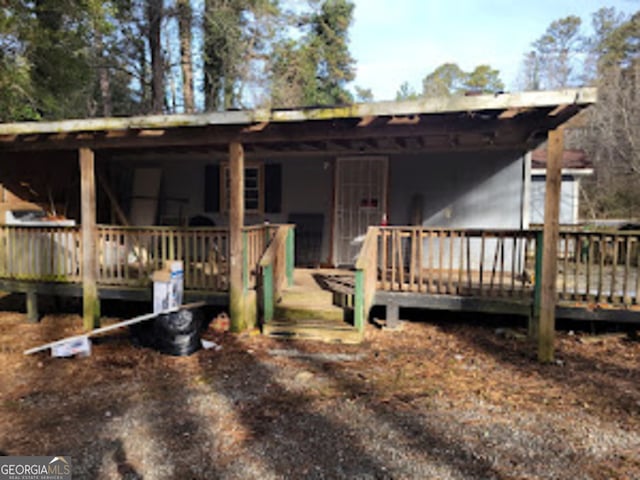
[(477, 270)]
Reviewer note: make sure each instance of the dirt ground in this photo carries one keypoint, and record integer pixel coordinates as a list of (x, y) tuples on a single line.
[(441, 399)]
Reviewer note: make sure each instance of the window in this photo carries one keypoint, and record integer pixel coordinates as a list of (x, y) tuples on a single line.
[(253, 188)]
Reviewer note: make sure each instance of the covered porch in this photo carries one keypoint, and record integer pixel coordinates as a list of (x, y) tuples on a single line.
[(451, 176)]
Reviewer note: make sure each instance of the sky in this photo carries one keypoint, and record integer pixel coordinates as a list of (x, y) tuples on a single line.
[(403, 40)]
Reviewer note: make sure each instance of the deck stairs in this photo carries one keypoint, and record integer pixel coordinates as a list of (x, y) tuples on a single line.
[(318, 306)]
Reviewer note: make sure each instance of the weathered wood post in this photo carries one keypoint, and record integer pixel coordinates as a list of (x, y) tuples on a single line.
[(89, 240), (237, 296), (534, 321), (546, 332), (33, 315)]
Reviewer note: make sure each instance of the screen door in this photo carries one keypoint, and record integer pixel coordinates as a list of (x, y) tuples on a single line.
[(361, 201)]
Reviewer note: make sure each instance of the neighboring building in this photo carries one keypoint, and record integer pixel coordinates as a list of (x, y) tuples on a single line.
[(575, 166)]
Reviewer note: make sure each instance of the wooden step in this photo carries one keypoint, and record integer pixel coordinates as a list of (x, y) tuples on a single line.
[(287, 311), (296, 295), (328, 331)]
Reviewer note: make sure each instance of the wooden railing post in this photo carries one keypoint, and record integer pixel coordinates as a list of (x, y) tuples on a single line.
[(290, 255), (245, 263), (366, 279), (534, 321), (358, 303), (267, 292), (90, 300)]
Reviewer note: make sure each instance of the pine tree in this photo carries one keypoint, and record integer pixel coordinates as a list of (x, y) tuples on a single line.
[(316, 69)]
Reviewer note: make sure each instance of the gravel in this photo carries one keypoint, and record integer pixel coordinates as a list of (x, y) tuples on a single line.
[(446, 401)]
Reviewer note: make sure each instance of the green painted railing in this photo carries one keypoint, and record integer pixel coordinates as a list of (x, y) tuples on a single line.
[(366, 278), (277, 268)]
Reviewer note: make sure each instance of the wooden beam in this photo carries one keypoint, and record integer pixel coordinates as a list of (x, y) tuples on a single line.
[(113, 199), (89, 240), (245, 119), (258, 127), (404, 120), (546, 328), (367, 120), (236, 222), (559, 109), (514, 112), (338, 130)]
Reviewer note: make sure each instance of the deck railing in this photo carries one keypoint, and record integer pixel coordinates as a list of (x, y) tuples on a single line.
[(40, 253), (498, 263), (599, 267), (127, 256)]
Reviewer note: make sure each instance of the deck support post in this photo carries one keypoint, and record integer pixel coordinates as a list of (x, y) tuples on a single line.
[(546, 326), (393, 316), (33, 316), (237, 296), (89, 240)]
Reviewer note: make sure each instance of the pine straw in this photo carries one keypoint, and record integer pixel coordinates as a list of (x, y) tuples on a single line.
[(436, 400)]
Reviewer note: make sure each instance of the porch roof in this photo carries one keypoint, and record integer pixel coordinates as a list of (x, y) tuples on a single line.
[(503, 121)]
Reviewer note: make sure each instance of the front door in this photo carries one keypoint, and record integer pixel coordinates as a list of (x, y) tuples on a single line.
[(361, 201)]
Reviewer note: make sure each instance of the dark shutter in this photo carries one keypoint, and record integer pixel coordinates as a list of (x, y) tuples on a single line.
[(273, 188), (212, 188)]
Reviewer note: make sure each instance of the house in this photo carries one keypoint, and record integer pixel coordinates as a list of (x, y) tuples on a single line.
[(224, 191), (575, 167)]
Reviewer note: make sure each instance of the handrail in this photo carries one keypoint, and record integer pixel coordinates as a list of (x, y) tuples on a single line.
[(165, 228), (366, 278), (277, 267)]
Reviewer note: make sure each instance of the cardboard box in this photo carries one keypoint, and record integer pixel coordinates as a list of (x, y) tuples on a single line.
[(168, 286)]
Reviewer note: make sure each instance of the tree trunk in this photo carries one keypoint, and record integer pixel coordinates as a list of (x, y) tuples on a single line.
[(105, 92), (104, 80), (186, 61), (154, 19)]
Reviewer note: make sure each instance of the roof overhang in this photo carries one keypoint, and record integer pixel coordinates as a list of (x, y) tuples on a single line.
[(500, 121)]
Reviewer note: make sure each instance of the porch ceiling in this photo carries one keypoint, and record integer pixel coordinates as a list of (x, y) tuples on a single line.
[(501, 121)]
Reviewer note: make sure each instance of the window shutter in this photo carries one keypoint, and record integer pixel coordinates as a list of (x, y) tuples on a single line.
[(212, 188), (273, 188)]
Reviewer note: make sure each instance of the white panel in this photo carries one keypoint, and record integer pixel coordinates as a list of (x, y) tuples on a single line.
[(145, 191)]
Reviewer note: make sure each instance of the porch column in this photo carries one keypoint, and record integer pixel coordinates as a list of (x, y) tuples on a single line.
[(237, 298), (546, 328), (89, 231)]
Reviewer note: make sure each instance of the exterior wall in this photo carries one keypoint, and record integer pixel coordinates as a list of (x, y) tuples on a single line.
[(307, 188), (466, 190), (569, 198), (480, 190)]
